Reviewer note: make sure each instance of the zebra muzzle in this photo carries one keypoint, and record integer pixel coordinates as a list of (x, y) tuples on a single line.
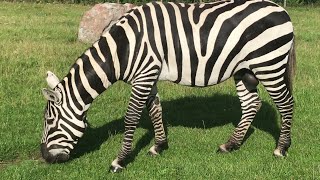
[(53, 158)]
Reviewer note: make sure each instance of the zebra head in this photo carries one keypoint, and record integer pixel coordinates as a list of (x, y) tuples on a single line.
[(62, 126)]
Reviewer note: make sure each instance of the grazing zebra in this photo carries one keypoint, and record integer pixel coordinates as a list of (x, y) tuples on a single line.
[(189, 44)]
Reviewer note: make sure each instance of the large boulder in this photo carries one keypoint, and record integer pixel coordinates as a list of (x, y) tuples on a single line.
[(98, 18)]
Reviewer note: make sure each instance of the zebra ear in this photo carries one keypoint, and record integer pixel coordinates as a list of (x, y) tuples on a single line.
[(52, 80), (51, 95)]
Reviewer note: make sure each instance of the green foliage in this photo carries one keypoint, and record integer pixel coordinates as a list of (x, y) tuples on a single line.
[(289, 2), (35, 38), (303, 1), (298, 2)]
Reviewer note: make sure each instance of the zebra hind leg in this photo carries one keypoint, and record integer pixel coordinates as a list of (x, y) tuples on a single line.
[(282, 97), (246, 85), (155, 113)]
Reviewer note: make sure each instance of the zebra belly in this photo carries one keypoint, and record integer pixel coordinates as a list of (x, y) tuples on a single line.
[(170, 74)]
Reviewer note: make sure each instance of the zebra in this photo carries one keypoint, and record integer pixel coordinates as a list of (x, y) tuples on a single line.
[(197, 45)]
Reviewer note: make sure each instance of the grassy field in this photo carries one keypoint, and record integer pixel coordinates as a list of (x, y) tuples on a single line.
[(35, 38)]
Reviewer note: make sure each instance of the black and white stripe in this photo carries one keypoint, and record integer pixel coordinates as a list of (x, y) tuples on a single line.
[(189, 44)]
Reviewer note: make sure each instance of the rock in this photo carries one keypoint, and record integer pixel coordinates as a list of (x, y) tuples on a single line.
[(98, 18)]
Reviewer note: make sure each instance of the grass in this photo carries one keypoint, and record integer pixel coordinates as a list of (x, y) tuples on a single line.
[(35, 38)]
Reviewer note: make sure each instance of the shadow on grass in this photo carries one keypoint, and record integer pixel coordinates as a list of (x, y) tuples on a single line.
[(190, 112)]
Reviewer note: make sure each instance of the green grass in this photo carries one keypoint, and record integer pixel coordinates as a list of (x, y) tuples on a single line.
[(35, 38)]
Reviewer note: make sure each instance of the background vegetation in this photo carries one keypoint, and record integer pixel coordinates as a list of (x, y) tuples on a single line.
[(35, 38)]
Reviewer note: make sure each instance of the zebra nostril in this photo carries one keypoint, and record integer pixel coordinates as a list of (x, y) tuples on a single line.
[(54, 146)]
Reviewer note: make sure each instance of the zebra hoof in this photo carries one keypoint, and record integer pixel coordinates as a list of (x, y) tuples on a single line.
[(150, 153), (222, 149), (116, 166), (157, 149), (116, 169), (153, 151), (228, 147), (280, 153)]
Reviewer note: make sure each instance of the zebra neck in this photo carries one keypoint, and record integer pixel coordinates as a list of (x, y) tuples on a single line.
[(97, 68), (87, 79)]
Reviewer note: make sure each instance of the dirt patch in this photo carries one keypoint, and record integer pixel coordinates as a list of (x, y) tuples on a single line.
[(33, 156)]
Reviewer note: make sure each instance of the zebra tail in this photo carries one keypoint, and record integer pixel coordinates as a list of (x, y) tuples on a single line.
[(291, 66)]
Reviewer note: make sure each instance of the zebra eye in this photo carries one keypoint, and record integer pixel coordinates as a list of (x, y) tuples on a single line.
[(50, 120)]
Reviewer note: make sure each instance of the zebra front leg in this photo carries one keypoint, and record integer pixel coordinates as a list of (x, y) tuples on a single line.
[(135, 107), (155, 113), (250, 104)]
